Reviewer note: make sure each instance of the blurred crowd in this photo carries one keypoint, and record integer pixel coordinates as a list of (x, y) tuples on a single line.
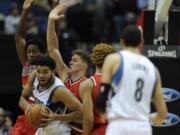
[(5, 121), (88, 20)]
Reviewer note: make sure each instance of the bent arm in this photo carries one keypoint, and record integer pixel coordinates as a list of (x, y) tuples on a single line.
[(20, 38), (109, 68), (85, 90), (20, 33), (159, 102), (73, 104), (27, 90)]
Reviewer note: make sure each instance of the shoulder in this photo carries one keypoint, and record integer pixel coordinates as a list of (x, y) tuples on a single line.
[(86, 86), (111, 58), (86, 83)]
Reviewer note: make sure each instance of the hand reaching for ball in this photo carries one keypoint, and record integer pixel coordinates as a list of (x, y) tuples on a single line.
[(47, 118)]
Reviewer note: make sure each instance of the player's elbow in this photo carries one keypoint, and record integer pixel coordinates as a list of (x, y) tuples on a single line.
[(20, 102)]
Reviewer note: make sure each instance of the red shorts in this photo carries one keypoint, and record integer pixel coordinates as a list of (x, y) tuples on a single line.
[(22, 127), (99, 131)]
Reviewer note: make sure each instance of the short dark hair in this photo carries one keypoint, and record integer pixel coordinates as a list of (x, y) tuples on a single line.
[(83, 54), (131, 36), (37, 42), (45, 60)]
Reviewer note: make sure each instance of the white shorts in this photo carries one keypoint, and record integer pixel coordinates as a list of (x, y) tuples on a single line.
[(55, 128), (128, 127)]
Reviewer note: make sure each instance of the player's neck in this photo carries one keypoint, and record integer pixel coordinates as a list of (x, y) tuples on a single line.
[(133, 49), (76, 76), (98, 70)]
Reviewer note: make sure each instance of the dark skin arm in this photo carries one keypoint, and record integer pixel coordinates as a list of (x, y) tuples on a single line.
[(20, 34), (27, 90), (62, 94)]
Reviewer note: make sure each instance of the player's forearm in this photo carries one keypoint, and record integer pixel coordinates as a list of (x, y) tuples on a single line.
[(23, 104), (21, 27), (52, 40), (87, 126), (101, 102), (73, 116)]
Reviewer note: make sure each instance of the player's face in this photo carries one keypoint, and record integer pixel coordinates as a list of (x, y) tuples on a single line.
[(32, 53), (76, 64), (44, 75)]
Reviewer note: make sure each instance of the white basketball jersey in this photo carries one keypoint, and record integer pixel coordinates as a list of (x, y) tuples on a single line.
[(44, 97), (133, 85)]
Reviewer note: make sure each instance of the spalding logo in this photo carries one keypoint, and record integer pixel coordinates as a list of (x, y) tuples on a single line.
[(170, 94), (170, 120)]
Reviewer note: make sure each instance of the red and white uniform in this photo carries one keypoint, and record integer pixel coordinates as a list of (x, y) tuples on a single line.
[(22, 127), (27, 69), (99, 125), (74, 87)]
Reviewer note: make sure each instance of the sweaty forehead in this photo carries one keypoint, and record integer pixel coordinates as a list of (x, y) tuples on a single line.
[(42, 68), (76, 57), (32, 47)]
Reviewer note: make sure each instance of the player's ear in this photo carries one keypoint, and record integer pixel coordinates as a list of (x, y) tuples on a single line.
[(85, 66)]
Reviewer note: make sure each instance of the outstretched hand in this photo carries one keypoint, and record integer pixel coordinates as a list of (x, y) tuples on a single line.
[(57, 12), (27, 4)]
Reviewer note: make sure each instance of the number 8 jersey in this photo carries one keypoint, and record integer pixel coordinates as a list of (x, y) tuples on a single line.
[(132, 86)]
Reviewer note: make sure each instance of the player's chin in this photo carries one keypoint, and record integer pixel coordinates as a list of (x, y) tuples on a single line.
[(31, 60), (43, 83)]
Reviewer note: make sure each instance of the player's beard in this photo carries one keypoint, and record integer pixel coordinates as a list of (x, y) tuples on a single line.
[(49, 82)]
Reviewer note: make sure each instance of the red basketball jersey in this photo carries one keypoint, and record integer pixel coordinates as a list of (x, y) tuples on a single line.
[(74, 86), (96, 78), (27, 69)]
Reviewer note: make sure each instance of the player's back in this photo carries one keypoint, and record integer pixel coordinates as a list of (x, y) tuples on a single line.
[(133, 84)]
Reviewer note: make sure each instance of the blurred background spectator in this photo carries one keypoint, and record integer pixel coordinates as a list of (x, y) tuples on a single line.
[(12, 20), (5, 121)]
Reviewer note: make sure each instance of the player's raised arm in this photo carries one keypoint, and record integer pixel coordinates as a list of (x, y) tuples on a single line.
[(20, 34), (52, 41)]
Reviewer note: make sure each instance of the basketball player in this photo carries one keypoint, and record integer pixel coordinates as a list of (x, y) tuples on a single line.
[(50, 91), (73, 75), (89, 90), (27, 54), (135, 82)]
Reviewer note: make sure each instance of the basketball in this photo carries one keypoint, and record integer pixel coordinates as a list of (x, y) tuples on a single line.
[(35, 114)]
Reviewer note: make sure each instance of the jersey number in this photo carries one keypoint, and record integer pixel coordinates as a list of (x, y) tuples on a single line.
[(139, 87)]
